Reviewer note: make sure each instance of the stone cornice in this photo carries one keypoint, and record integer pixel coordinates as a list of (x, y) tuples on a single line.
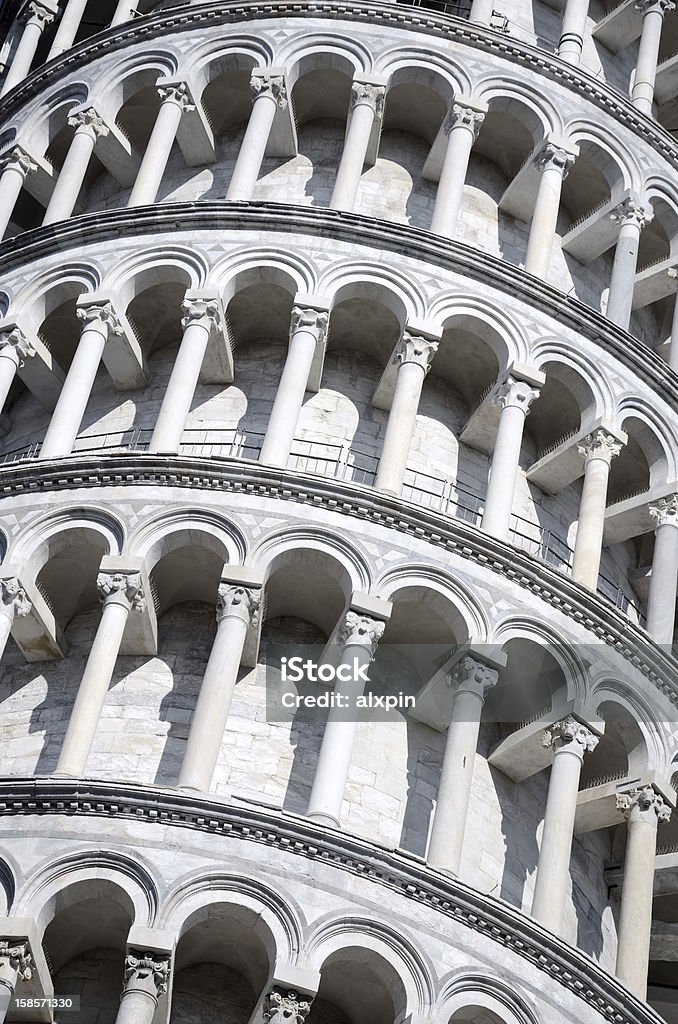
[(299, 837), (380, 12), (222, 216), (604, 622)]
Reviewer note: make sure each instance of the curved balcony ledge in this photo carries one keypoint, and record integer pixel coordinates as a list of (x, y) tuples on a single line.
[(356, 228), (299, 837), (604, 622), (380, 12)]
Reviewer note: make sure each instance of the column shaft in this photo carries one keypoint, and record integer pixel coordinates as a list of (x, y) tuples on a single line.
[(598, 449), (88, 128), (269, 93), (72, 402), (136, 1008), (572, 30), (661, 605), (462, 125), (366, 100), (176, 404), (159, 147), (16, 964), (544, 220), (6, 620), (16, 166), (481, 12), (146, 978), (8, 366), (68, 27), (642, 93), (28, 44), (673, 351), (13, 601), (632, 219), (123, 13)]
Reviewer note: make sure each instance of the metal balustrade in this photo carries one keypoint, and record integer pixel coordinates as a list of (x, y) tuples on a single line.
[(355, 465)]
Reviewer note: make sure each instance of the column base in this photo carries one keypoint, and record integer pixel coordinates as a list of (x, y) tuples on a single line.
[(324, 819)]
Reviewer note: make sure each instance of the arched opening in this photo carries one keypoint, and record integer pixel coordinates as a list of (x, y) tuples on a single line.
[(376, 994)]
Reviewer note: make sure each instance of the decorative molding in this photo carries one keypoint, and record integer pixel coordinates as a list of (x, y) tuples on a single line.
[(17, 159), (646, 803), (284, 1006), (205, 312), (272, 86), (305, 318), (630, 211), (568, 733), (146, 972), (17, 343), (553, 157), (101, 313), (462, 116), (177, 93), (13, 596), (473, 676), (415, 348), (16, 962), (87, 120), (665, 511), (494, 919), (361, 631), (238, 602), (602, 621), (370, 95), (599, 445), (128, 586), (516, 394)]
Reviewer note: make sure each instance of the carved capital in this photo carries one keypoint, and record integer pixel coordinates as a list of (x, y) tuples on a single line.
[(88, 121), (368, 95), (176, 93), (516, 394), (102, 314), (118, 587), (414, 348), (600, 445), (665, 511), (570, 733), (17, 159), (272, 86), (555, 157), (316, 321), (16, 962), (146, 972), (630, 211), (205, 312), (361, 630), (461, 116), (37, 12), (645, 803), (14, 342), (240, 602), (655, 6), (472, 676), (13, 596), (284, 1006)]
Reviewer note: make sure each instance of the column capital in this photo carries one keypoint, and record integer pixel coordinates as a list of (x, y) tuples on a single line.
[(203, 311), (555, 157), (665, 511), (234, 601), (35, 11), (516, 394), (285, 1006), (16, 962), (13, 596), (470, 675), (572, 735), (361, 630), (461, 115), (415, 348), (657, 6), (272, 86), (368, 94), (89, 122), (122, 588), (643, 803), (14, 342), (17, 159), (100, 312), (176, 92), (600, 445), (146, 972), (631, 211), (314, 320)]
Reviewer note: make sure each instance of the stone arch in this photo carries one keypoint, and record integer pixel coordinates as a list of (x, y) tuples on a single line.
[(46, 535), (465, 609), (619, 702), (247, 267), (659, 237), (537, 114), (49, 115), (320, 51), (613, 160), (445, 76), (469, 997), (220, 72), (159, 534), (594, 394), (648, 457), (503, 335), (156, 266), (382, 284), (7, 886), (354, 566), (55, 288), (128, 75), (386, 957)]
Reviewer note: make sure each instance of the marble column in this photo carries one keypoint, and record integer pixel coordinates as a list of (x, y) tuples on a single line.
[(88, 128), (268, 95), (175, 100), (123, 13), (237, 611), (308, 329), (515, 398), (553, 163), (16, 964), (15, 349), (367, 105), (359, 637), (471, 679), (15, 165), (661, 605), (285, 1006), (570, 740), (462, 125), (632, 218), (653, 11), (202, 317), (99, 323), (673, 350), (121, 593), (644, 809), (572, 30), (68, 27), (37, 17), (13, 601), (481, 12), (414, 355), (598, 449), (146, 978)]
